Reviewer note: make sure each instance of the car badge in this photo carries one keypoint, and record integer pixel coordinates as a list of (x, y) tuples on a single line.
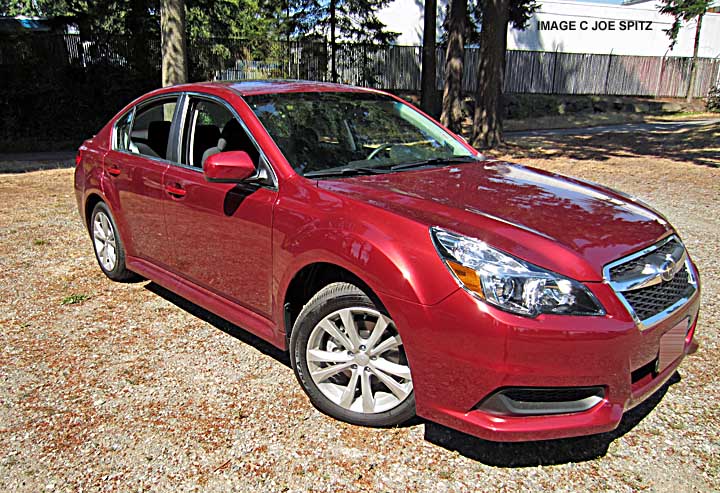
[(667, 269)]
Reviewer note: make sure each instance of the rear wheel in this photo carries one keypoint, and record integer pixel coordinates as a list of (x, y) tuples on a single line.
[(350, 360), (108, 246)]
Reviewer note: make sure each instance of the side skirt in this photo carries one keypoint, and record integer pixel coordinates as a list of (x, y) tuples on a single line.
[(232, 312)]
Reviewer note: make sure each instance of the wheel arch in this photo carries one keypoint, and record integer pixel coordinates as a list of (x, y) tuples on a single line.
[(310, 279), (91, 201)]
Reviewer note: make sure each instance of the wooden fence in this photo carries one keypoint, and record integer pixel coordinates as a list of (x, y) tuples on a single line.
[(399, 67)]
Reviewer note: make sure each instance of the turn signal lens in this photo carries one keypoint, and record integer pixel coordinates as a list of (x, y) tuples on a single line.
[(468, 277)]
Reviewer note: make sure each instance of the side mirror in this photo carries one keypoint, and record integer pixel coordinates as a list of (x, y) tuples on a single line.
[(228, 167)]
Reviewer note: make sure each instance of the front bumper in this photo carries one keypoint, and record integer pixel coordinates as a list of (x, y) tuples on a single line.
[(462, 350)]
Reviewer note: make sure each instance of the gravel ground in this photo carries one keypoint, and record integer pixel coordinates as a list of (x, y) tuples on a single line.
[(126, 387)]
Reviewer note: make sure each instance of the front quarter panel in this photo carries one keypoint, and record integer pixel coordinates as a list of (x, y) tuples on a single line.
[(391, 254)]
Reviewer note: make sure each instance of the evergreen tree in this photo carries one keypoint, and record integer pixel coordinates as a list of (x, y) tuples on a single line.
[(174, 44), (496, 15), (428, 78), (345, 20), (686, 11), (456, 27)]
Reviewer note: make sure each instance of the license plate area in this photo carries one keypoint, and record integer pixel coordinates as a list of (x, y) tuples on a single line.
[(672, 345)]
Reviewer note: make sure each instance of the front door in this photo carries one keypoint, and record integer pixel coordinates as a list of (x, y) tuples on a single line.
[(220, 232)]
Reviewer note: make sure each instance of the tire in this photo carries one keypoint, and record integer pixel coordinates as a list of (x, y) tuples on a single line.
[(108, 246), (360, 377)]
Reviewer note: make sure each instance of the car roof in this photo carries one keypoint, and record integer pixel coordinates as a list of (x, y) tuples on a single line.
[(275, 86)]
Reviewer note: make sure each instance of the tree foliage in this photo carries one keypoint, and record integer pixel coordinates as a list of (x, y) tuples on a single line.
[(253, 20), (246, 19), (682, 11), (94, 18), (520, 13), (355, 20)]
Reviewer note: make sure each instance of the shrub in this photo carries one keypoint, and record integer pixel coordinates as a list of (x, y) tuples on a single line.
[(713, 100)]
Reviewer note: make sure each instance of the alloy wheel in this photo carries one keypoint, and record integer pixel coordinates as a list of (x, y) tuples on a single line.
[(105, 241), (356, 358)]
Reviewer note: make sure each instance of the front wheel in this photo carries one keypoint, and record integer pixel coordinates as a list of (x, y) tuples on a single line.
[(350, 360)]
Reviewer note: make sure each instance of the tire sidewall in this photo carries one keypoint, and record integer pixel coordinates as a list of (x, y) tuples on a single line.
[(118, 272), (311, 315)]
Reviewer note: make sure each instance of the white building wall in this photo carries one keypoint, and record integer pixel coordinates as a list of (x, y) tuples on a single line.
[(406, 17), (618, 41)]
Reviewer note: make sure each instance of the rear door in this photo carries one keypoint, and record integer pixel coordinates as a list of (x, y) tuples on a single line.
[(221, 232), (134, 169)]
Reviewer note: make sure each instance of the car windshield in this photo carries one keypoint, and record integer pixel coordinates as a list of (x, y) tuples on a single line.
[(326, 133)]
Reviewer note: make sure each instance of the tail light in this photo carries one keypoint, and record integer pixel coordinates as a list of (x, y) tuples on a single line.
[(78, 158)]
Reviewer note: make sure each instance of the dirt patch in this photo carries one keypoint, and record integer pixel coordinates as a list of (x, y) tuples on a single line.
[(695, 146), (131, 388)]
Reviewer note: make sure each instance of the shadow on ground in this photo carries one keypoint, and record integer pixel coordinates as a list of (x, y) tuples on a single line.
[(697, 145), (27, 166), (220, 323), (524, 454), (546, 452)]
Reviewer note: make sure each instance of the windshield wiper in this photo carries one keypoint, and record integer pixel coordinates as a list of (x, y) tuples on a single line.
[(343, 172), (436, 161)]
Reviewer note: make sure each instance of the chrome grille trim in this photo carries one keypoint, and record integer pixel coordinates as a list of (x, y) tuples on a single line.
[(625, 284)]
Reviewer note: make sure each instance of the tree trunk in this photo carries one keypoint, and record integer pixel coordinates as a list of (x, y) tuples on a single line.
[(136, 29), (693, 63), (454, 64), (172, 38), (333, 45), (487, 121), (427, 82)]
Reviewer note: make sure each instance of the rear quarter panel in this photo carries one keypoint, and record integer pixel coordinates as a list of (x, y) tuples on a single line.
[(89, 173)]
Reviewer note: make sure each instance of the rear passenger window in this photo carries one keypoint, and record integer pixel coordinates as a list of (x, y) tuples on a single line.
[(210, 129), (150, 132), (122, 132)]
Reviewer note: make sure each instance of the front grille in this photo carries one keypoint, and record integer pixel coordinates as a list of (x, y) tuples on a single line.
[(621, 269), (652, 300), (647, 302)]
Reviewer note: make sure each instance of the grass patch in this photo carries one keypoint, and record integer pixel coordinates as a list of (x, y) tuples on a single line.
[(74, 299)]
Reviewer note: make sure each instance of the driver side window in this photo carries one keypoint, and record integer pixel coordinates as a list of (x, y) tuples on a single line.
[(210, 129)]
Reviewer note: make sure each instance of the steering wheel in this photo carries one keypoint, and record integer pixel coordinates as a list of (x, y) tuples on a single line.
[(378, 150)]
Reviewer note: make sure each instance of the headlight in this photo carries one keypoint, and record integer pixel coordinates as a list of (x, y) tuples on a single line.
[(509, 283)]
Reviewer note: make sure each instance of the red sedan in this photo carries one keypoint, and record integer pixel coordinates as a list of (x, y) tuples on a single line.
[(405, 273)]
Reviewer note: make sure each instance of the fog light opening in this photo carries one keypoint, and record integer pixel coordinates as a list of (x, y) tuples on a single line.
[(538, 401)]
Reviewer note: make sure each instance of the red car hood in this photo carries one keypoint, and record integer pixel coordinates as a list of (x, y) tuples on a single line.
[(564, 224)]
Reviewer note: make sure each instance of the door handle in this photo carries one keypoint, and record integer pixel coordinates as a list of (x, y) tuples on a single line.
[(113, 170), (175, 191)]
